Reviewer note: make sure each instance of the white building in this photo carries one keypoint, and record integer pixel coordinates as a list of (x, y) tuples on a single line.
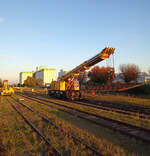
[(23, 76), (143, 78), (63, 72), (45, 74)]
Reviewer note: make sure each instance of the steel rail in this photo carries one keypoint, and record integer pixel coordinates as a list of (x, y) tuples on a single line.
[(124, 128), (141, 112), (62, 130), (129, 107), (121, 111), (55, 151), (138, 111)]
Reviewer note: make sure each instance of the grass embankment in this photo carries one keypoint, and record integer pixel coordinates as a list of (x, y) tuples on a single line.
[(120, 99), (108, 142)]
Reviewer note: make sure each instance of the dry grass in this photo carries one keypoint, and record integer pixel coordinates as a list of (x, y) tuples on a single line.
[(145, 123), (17, 138), (107, 142), (120, 99)]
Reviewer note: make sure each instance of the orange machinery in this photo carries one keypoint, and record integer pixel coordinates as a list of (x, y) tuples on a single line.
[(68, 86)]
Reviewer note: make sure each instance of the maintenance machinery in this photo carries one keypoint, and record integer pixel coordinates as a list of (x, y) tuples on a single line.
[(6, 90), (67, 87)]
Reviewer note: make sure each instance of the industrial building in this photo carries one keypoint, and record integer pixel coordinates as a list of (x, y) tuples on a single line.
[(23, 76), (45, 74)]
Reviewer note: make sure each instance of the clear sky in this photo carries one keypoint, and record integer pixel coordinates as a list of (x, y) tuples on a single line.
[(64, 33)]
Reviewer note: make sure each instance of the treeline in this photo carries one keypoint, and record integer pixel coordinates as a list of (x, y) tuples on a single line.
[(32, 82), (104, 75)]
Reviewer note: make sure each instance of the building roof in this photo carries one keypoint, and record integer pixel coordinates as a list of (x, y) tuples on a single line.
[(64, 70), (27, 72), (46, 69)]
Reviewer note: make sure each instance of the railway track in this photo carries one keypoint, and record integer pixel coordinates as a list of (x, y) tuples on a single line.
[(137, 111), (141, 112), (113, 109), (55, 151), (44, 118), (124, 128), (126, 107)]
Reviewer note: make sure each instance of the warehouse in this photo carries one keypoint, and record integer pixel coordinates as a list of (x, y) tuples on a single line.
[(23, 76), (45, 74)]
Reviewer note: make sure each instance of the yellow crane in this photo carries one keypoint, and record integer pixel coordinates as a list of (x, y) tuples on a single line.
[(68, 86), (6, 90)]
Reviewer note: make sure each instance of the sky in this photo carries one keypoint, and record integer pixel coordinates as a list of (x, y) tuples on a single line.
[(64, 33)]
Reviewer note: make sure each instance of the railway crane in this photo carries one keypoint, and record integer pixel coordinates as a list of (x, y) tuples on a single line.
[(68, 86)]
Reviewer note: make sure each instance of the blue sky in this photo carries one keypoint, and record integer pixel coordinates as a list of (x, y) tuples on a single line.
[(64, 33)]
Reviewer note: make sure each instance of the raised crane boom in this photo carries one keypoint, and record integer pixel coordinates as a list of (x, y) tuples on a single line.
[(68, 85), (104, 54)]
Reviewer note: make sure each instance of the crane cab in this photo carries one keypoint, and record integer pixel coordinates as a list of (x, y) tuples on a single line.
[(65, 90)]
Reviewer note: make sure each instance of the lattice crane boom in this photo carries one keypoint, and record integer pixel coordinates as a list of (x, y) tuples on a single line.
[(104, 54)]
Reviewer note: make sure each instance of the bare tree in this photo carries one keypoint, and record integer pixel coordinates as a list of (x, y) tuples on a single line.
[(130, 72)]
